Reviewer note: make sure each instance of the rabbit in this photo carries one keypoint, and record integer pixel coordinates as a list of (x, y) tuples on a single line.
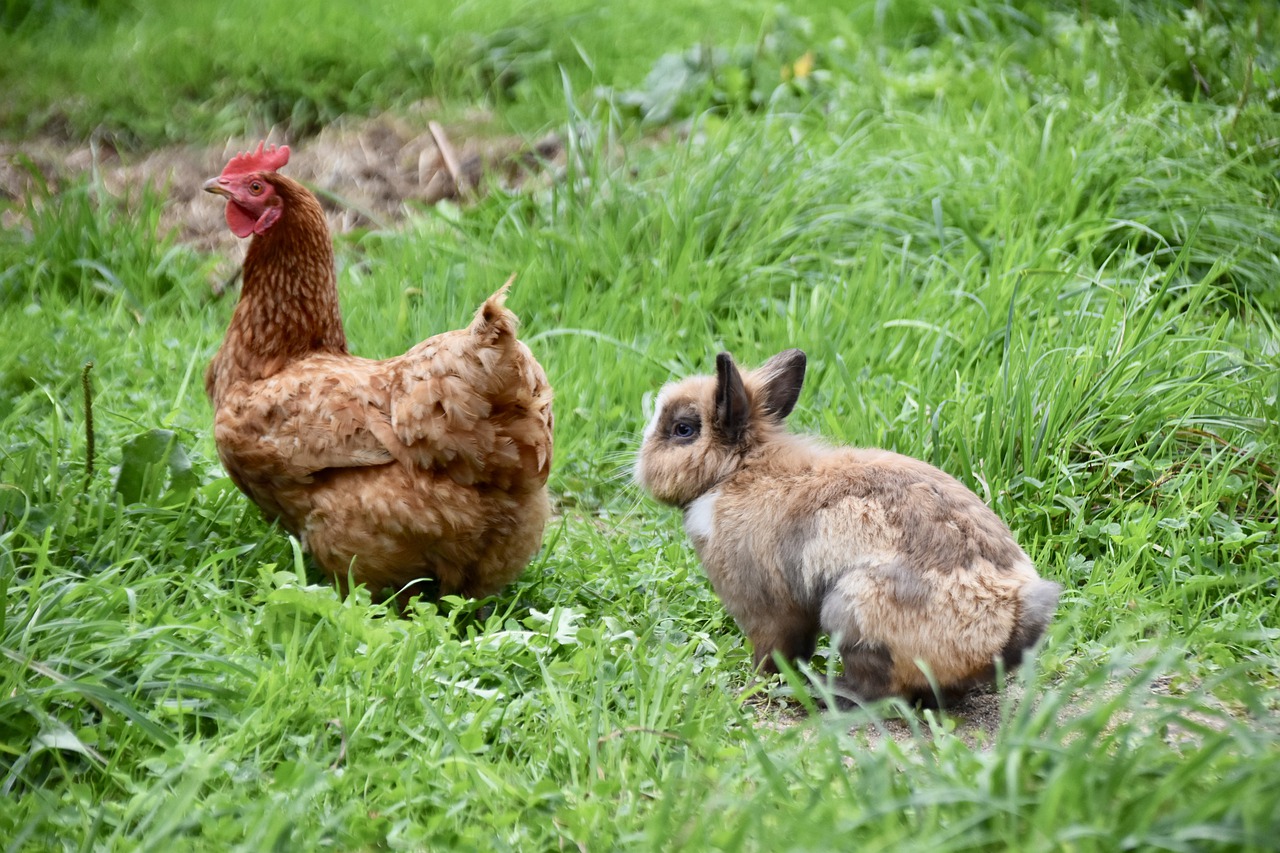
[(898, 561)]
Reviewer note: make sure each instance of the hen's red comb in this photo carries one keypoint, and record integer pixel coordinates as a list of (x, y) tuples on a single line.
[(263, 160)]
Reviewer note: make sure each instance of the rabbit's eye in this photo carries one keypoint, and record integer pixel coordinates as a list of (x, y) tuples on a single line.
[(683, 429)]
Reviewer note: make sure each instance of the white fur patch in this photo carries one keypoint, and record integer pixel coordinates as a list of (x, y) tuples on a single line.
[(657, 414), (699, 518)]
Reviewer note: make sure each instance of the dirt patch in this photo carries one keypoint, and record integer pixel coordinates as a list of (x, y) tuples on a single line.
[(976, 717), (367, 173)]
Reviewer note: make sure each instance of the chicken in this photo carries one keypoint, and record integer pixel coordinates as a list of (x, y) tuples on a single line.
[(427, 469)]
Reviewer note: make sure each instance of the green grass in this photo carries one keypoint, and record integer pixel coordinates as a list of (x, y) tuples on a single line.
[(81, 67), (1017, 244)]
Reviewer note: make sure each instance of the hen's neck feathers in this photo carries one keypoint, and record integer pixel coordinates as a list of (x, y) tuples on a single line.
[(288, 305)]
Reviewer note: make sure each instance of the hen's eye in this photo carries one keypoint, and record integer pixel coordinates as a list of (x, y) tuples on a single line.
[(683, 429), (255, 187)]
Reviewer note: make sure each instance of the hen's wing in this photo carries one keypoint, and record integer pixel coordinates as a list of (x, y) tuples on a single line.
[(318, 413)]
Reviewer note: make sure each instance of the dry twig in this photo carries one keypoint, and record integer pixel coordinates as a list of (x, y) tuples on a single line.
[(450, 158)]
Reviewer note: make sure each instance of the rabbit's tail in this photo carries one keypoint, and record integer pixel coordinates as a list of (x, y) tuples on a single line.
[(1035, 608)]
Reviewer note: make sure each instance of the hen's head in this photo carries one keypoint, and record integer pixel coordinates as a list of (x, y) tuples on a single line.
[(253, 202)]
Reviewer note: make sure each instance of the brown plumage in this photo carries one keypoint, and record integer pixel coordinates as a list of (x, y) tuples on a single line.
[(895, 558), (430, 465)]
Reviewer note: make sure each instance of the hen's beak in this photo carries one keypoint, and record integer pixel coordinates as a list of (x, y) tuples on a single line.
[(214, 186)]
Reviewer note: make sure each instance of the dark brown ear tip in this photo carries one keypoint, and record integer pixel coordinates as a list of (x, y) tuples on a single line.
[(723, 360), (781, 379)]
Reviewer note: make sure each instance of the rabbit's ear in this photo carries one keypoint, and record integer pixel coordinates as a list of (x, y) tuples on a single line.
[(781, 379), (732, 406)]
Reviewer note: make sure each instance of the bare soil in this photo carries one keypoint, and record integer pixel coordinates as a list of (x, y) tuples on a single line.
[(367, 173), (976, 718)]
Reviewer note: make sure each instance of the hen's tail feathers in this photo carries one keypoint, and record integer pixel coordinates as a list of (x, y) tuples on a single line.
[(493, 320)]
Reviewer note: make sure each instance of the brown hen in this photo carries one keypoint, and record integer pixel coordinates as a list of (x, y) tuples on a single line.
[(431, 466)]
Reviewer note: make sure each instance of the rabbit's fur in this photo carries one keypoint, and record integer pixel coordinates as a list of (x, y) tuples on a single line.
[(892, 557)]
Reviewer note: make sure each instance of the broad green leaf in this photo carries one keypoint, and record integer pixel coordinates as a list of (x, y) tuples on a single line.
[(149, 461)]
